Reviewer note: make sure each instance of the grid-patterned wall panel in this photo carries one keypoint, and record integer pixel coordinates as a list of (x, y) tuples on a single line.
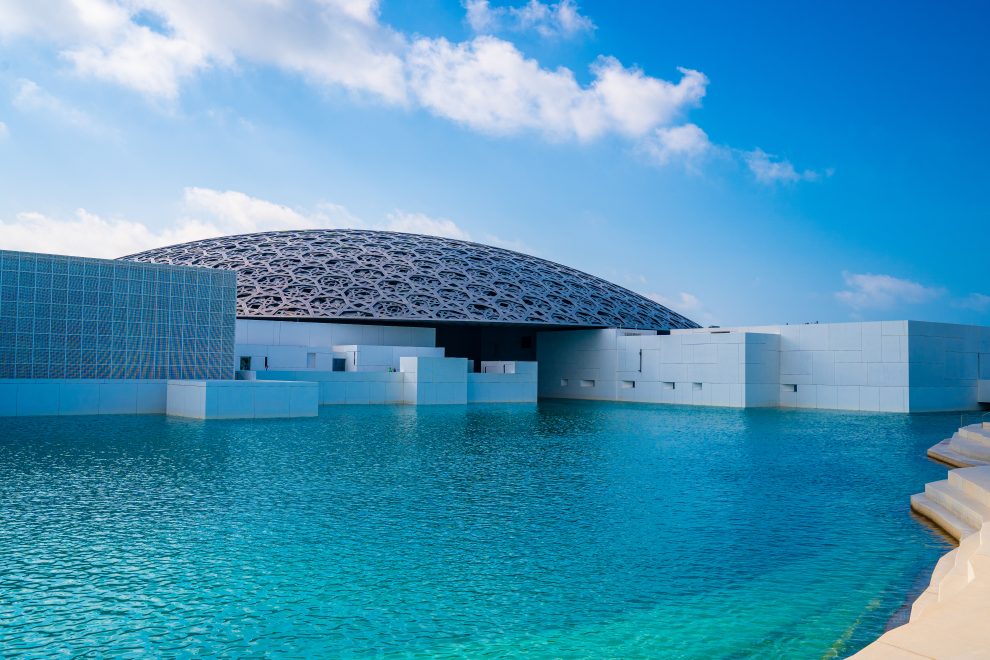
[(355, 274), (70, 317)]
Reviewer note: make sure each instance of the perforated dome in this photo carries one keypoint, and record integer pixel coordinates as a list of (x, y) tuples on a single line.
[(336, 274)]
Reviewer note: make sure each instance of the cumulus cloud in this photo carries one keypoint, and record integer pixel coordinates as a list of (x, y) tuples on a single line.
[(978, 302), (330, 42), (485, 83), (33, 99), (687, 144), (205, 213), (876, 291), (146, 61), (88, 235), (551, 20), (418, 223), (684, 303), (770, 169), (234, 212), (489, 85)]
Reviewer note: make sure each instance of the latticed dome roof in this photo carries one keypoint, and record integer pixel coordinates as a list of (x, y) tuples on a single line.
[(338, 274)]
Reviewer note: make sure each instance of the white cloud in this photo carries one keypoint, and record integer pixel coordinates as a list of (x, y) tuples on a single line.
[(978, 302), (330, 42), (89, 235), (489, 85), (4, 131), (146, 61), (238, 213), (684, 303), (418, 223), (875, 291), (205, 213), (687, 144), (770, 169), (31, 98), (550, 20), (506, 244), (485, 83)]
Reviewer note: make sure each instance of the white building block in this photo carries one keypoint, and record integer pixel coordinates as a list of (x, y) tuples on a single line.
[(236, 399)]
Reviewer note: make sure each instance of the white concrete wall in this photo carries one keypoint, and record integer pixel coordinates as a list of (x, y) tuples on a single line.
[(848, 366), (424, 380), (889, 366), (578, 364), (285, 357), (325, 335), (241, 399), (75, 396), (515, 385), (433, 380), (983, 391), (288, 344), (946, 363), (347, 387), (721, 369), (381, 358)]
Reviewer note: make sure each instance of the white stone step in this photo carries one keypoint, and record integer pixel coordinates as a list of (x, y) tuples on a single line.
[(944, 453), (950, 522), (974, 481), (976, 433), (967, 446), (973, 512)]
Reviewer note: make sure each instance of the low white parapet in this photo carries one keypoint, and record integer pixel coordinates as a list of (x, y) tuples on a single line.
[(347, 387), (242, 399), (31, 397), (516, 384), (359, 357), (422, 380), (434, 380)]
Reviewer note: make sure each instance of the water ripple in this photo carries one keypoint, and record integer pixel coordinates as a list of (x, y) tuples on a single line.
[(563, 530)]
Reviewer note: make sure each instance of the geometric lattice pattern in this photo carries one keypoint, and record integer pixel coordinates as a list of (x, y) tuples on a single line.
[(357, 274), (71, 317)]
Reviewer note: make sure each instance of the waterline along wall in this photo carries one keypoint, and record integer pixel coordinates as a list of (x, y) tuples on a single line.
[(372, 317), (889, 366)]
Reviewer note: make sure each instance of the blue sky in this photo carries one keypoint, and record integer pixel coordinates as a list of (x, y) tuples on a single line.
[(742, 162)]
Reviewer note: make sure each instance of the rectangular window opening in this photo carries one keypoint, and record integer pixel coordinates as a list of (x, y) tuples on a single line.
[(669, 385), (628, 384), (696, 386), (563, 382), (587, 383), (790, 387)]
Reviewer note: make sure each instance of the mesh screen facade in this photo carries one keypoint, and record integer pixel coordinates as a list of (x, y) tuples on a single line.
[(330, 274), (72, 317)]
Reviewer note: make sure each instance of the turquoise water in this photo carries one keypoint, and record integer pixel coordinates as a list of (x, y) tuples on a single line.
[(566, 529)]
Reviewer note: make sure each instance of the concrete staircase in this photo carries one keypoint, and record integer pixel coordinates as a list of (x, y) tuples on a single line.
[(950, 619), (968, 446), (961, 506)]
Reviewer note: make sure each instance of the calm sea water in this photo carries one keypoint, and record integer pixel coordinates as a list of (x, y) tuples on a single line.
[(565, 529)]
